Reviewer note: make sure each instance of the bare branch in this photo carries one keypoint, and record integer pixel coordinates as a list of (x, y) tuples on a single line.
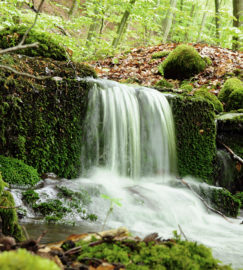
[(28, 30), (25, 74), (233, 155), (19, 47), (9, 207)]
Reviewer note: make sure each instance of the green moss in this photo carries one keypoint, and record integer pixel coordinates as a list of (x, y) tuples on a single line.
[(54, 207), (30, 196), (15, 171), (164, 84), (204, 93), (9, 216), (182, 63), (207, 60), (160, 54), (195, 136), (24, 260), (239, 196), (41, 121), (48, 47), (232, 94), (187, 86), (170, 255)]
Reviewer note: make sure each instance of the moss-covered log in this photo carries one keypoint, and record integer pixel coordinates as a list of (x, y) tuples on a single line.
[(41, 121), (195, 136)]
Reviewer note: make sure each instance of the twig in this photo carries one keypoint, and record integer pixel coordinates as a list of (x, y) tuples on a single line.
[(73, 250), (26, 233), (9, 207), (182, 232), (20, 45), (40, 237), (209, 207), (25, 74), (234, 156)]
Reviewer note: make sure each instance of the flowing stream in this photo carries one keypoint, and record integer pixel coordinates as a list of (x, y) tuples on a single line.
[(129, 155)]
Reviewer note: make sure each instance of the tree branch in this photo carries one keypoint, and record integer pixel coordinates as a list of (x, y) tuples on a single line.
[(9, 207), (233, 155), (20, 45), (25, 74)]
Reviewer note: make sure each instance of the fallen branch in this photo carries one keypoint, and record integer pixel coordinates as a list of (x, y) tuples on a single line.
[(182, 232), (25, 74), (234, 156), (9, 207), (19, 47), (203, 201)]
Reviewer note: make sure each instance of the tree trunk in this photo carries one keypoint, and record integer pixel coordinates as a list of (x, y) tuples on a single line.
[(168, 20), (203, 22), (122, 26), (191, 16), (73, 8), (237, 22), (217, 20)]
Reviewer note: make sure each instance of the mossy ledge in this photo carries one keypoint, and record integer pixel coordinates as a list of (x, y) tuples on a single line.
[(195, 136), (41, 121)]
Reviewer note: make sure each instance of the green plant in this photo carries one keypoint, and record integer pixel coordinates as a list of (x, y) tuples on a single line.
[(24, 260), (182, 63), (239, 196), (15, 171), (112, 202), (204, 93), (186, 86), (164, 84)]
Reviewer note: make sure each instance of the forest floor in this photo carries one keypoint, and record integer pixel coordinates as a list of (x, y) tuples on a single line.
[(138, 66)]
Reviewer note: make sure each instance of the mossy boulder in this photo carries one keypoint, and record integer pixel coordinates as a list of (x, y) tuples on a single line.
[(205, 94), (41, 121), (16, 172), (48, 47), (24, 260), (182, 63), (232, 94), (195, 136), (160, 54), (8, 214)]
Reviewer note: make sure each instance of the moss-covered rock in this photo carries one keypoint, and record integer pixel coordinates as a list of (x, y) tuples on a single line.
[(24, 260), (182, 63), (195, 136), (164, 84), (41, 121), (186, 86), (8, 214), (15, 171), (204, 93), (48, 47), (232, 94), (239, 196)]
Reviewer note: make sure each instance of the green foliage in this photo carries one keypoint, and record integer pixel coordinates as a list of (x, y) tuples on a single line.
[(160, 54), (239, 196), (182, 63), (49, 48), (30, 196), (170, 255), (9, 216), (24, 260), (232, 94), (195, 136), (164, 84), (15, 171), (205, 94)]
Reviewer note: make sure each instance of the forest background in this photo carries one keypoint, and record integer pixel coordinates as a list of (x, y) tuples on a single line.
[(97, 29)]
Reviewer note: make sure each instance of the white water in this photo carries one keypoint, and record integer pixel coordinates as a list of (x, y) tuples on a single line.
[(130, 149)]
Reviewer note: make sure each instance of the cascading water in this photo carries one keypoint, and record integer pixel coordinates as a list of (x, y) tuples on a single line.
[(130, 155)]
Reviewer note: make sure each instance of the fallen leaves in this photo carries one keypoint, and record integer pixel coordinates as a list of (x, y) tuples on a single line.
[(139, 65)]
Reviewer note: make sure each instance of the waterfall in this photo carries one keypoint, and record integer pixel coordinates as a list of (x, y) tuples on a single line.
[(129, 130)]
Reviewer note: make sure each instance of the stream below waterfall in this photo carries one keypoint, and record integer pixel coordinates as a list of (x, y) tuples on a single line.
[(129, 155)]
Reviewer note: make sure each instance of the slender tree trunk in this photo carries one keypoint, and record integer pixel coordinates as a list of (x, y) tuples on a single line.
[(237, 22), (217, 20), (168, 20), (93, 27), (189, 22), (203, 22), (122, 26), (73, 8)]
